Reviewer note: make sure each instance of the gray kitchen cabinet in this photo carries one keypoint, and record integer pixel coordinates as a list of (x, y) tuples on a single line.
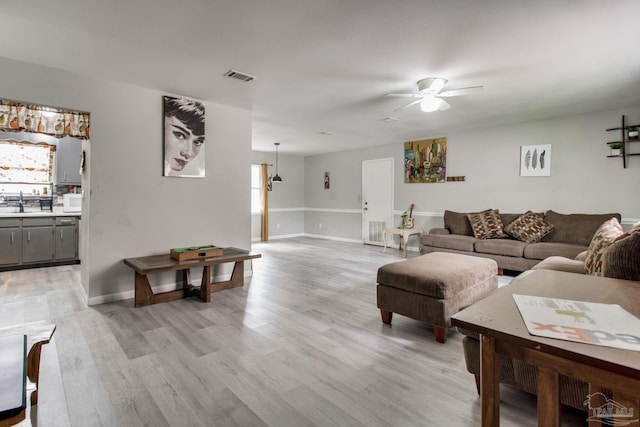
[(34, 241), (37, 240), (66, 239), (10, 241), (68, 155)]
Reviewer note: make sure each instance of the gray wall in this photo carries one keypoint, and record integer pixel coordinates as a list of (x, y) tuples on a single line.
[(286, 200), (582, 178), (130, 208)]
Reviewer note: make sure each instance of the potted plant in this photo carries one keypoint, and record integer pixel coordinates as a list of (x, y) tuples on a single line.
[(404, 219), (633, 132), (615, 148)]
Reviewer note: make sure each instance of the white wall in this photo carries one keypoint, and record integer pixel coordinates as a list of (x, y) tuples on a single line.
[(134, 210), (582, 178)]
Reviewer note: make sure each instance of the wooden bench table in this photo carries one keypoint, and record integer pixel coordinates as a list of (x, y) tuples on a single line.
[(143, 266)]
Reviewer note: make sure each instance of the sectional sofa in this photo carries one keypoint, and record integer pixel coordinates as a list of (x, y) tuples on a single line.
[(537, 236), (611, 254)]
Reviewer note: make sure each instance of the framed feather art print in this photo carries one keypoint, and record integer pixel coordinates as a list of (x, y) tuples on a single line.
[(535, 160)]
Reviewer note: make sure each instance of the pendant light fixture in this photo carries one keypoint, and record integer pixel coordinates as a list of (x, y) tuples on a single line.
[(276, 178)]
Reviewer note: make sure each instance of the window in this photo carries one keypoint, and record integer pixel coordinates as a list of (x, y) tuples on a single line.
[(255, 190), (25, 167)]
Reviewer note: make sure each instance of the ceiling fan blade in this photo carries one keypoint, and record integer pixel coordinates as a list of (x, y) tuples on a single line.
[(405, 95), (417, 101), (437, 85), (461, 91), (444, 105)]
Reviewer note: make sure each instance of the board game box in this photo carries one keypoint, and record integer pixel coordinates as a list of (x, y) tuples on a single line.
[(196, 252)]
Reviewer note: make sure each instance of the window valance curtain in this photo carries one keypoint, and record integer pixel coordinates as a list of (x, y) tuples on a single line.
[(19, 117)]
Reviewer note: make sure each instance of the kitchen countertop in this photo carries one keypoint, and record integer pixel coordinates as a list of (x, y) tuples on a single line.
[(57, 211)]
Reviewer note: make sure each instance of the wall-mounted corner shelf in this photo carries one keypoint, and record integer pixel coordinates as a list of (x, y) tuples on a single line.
[(628, 135)]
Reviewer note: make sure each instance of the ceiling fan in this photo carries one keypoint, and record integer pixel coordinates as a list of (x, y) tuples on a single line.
[(429, 94)]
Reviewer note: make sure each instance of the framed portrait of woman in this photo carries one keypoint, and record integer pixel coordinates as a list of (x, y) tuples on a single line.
[(183, 137)]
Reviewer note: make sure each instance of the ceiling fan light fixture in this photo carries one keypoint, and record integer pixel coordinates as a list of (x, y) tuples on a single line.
[(429, 104), (431, 85)]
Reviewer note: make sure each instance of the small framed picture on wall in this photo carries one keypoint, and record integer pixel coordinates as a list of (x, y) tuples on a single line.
[(535, 160)]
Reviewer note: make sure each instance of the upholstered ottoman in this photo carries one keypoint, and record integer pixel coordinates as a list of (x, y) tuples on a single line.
[(434, 286)]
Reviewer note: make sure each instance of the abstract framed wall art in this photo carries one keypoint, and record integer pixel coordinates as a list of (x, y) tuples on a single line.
[(183, 137), (425, 161), (535, 160)]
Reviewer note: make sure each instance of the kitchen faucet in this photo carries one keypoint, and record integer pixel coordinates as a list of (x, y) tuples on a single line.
[(21, 203)]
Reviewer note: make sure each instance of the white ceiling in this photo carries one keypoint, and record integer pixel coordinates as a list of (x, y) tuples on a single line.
[(326, 65)]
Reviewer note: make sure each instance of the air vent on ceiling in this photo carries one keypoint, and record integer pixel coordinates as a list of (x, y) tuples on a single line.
[(238, 75)]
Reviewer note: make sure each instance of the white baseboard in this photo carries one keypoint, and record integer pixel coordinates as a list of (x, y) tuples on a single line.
[(409, 248), (85, 297), (280, 236), (339, 239)]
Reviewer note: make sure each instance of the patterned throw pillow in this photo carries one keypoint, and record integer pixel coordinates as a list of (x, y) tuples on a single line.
[(633, 230), (486, 224), (529, 227), (604, 237)]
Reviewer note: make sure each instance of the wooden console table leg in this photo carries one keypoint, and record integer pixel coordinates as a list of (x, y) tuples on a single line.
[(489, 382), (143, 294), (187, 287), (205, 288), (237, 277)]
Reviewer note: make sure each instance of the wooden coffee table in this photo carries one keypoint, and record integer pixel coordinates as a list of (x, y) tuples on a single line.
[(502, 331)]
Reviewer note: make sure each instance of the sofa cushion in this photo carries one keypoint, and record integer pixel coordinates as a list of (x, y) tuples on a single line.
[(620, 260), (582, 256), (575, 228), (457, 223), (529, 227), (604, 237), (560, 263), (486, 224), (542, 250), (507, 247), (449, 241)]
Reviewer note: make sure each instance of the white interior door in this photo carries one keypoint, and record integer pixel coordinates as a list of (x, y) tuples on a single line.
[(377, 199)]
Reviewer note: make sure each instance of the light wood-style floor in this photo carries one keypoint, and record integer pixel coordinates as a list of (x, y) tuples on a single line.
[(301, 344)]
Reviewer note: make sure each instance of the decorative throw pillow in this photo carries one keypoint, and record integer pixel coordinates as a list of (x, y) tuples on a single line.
[(529, 227), (620, 260), (486, 224), (633, 230), (604, 237)]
